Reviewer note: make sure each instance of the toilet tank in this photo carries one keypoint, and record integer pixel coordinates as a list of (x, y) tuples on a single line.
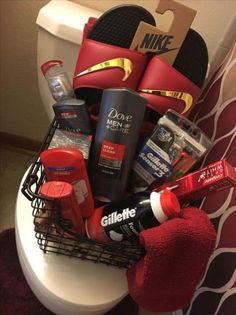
[(60, 30)]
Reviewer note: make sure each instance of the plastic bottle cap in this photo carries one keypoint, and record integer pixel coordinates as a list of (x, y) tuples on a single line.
[(164, 205), (47, 65), (170, 203), (62, 157), (56, 189)]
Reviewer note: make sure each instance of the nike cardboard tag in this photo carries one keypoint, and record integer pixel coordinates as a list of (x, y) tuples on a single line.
[(166, 44)]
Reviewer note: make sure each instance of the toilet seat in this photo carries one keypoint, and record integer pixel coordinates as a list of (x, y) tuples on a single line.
[(65, 285)]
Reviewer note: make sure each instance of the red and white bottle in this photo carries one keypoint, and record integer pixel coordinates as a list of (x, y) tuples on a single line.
[(68, 165), (69, 212), (125, 219)]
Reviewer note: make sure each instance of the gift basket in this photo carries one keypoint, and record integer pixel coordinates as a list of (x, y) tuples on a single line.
[(144, 125), (54, 235), (118, 174)]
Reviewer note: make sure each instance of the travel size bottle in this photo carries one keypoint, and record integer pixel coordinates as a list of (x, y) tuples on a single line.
[(71, 113), (120, 118), (125, 219)]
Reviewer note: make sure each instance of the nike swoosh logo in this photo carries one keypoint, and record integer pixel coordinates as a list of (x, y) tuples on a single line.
[(123, 63), (158, 52), (183, 96), (163, 51)]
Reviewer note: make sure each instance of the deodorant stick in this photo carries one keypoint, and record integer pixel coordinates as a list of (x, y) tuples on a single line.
[(68, 165), (63, 194), (120, 118)]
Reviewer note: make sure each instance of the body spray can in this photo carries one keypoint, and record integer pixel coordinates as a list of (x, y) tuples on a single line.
[(120, 119)]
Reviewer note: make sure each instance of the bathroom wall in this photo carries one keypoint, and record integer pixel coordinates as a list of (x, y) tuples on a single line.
[(21, 112)]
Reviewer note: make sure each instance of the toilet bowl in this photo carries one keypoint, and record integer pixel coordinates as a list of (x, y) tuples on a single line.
[(65, 285)]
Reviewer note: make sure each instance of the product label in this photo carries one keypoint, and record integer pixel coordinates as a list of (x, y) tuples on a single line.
[(152, 163), (118, 121), (68, 115), (121, 223), (211, 174), (115, 217), (69, 139), (111, 157), (194, 186), (126, 218), (61, 170), (81, 190), (59, 87)]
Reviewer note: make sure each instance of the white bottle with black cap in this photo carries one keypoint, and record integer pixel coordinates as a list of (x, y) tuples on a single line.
[(125, 219)]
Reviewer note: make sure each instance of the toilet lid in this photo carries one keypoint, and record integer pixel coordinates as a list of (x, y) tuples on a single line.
[(62, 282)]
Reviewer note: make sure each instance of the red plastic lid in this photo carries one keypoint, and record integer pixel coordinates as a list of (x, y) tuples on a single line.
[(51, 63), (61, 157), (56, 189), (170, 203)]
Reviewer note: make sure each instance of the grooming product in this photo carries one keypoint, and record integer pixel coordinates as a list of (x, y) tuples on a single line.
[(124, 219), (69, 215), (215, 177), (175, 145), (68, 165), (150, 39), (71, 113), (153, 162), (70, 139), (120, 119), (57, 79)]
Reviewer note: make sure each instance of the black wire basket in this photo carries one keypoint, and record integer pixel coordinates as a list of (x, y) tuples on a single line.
[(52, 231)]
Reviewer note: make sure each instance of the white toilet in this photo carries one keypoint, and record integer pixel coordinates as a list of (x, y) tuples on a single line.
[(66, 286)]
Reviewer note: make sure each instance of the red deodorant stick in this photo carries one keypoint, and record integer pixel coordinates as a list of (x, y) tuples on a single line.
[(68, 165), (63, 194)]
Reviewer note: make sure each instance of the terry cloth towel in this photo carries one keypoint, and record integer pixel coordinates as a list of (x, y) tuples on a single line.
[(176, 257)]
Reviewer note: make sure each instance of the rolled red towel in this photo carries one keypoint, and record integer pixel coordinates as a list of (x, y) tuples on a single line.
[(176, 257)]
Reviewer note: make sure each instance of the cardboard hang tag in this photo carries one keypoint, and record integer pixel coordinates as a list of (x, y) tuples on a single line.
[(149, 38)]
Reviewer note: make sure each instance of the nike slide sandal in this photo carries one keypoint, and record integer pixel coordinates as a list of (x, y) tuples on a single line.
[(118, 25), (105, 59), (192, 59), (176, 87)]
